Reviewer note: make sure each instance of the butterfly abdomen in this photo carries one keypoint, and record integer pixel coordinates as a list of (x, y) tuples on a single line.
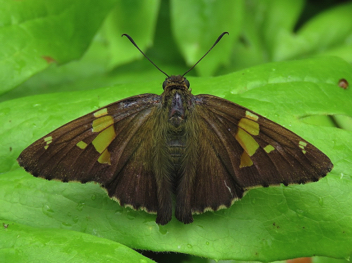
[(177, 146)]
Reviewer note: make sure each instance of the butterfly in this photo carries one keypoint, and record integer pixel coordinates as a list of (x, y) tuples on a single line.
[(196, 153)]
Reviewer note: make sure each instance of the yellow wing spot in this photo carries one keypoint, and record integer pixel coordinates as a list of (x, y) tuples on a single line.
[(102, 123), (81, 145), (302, 145), (245, 160), (246, 141), (249, 126), (269, 148), (100, 112), (47, 141), (105, 157), (251, 116), (103, 140)]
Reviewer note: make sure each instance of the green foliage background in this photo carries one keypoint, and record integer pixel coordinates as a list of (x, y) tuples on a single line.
[(61, 60)]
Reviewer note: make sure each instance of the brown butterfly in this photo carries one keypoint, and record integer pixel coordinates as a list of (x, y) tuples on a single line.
[(204, 150)]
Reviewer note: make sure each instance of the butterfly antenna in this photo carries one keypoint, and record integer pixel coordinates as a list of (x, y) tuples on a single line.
[(217, 41), (132, 41)]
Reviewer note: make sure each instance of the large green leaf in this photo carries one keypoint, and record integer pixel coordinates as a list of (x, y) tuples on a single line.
[(34, 34), (267, 224), (21, 243)]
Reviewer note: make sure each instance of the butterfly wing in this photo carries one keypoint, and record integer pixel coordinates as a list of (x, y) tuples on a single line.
[(109, 146), (239, 150)]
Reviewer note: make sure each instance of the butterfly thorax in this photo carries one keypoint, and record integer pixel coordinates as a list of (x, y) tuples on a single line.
[(176, 99)]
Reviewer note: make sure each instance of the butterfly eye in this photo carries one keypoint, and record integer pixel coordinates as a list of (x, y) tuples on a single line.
[(187, 83), (164, 84)]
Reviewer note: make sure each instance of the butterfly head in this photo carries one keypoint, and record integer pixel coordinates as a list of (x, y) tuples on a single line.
[(176, 82)]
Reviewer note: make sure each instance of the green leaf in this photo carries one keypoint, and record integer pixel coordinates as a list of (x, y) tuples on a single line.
[(325, 33), (22, 243), (265, 25), (125, 19), (267, 224), (269, 33), (192, 35), (34, 34)]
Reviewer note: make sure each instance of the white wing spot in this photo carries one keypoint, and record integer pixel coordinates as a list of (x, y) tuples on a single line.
[(228, 188)]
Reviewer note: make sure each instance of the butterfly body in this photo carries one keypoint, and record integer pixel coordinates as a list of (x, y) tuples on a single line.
[(155, 152)]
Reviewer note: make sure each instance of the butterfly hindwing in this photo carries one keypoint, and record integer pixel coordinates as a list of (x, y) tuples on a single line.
[(210, 173), (103, 146)]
